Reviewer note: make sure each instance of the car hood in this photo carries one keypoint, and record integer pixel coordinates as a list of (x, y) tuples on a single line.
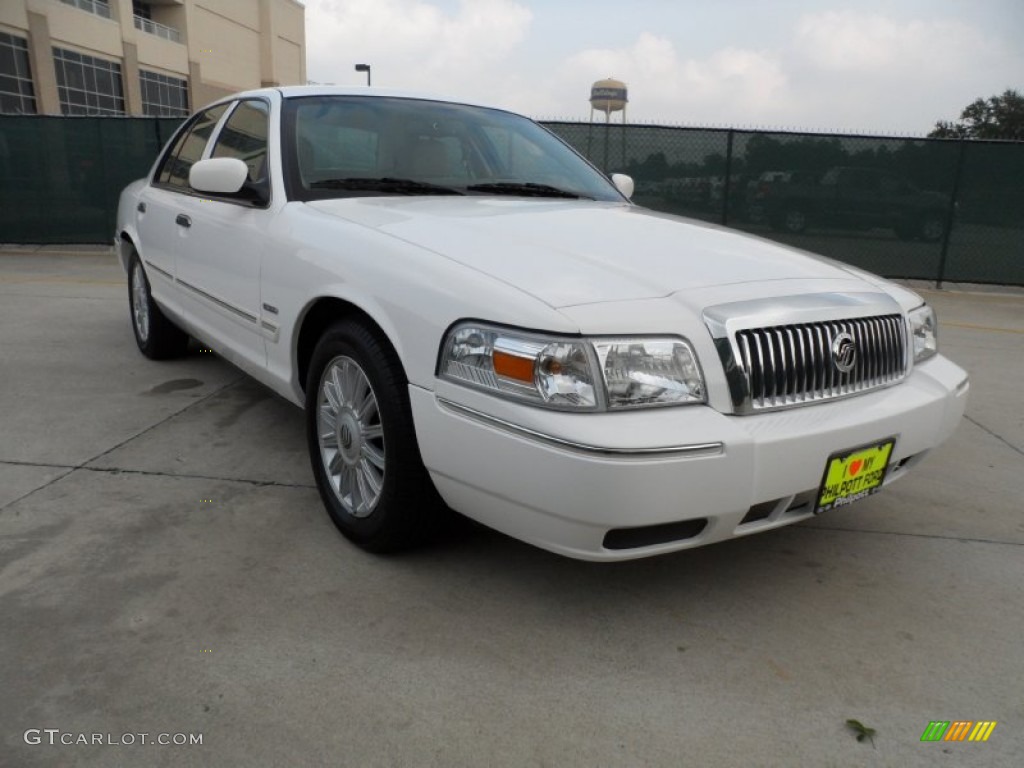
[(567, 253)]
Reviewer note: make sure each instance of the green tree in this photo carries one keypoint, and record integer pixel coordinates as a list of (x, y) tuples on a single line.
[(998, 117)]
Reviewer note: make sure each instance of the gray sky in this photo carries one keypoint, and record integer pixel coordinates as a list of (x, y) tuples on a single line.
[(893, 67)]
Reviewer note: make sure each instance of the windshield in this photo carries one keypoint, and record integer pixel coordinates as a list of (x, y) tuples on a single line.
[(358, 146)]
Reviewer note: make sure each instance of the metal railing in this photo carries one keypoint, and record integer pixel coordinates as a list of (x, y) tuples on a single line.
[(102, 8), (98, 7), (156, 28)]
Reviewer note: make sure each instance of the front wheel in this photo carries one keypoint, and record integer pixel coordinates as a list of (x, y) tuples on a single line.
[(362, 443)]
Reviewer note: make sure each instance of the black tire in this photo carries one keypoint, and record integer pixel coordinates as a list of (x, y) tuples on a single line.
[(158, 338), (406, 508)]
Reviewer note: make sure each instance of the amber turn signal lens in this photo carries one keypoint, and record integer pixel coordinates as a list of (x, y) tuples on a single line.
[(513, 366)]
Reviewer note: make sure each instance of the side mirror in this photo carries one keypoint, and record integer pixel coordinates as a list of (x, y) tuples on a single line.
[(624, 184), (218, 175)]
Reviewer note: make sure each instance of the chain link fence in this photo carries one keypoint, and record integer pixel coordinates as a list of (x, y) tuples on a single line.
[(60, 177), (936, 209)]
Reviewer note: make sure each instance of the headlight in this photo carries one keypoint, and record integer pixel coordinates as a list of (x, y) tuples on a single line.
[(924, 332), (649, 372), (571, 373)]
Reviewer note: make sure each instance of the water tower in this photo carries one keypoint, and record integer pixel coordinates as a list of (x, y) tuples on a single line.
[(608, 96)]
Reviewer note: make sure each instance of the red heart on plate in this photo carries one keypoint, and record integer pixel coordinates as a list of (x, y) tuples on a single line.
[(855, 467)]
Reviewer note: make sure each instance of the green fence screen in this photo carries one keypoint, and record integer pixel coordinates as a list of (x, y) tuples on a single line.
[(942, 210), (60, 177), (916, 208)]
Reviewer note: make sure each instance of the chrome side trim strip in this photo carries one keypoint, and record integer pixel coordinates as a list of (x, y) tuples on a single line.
[(163, 272), (223, 304), (270, 330), (694, 450)]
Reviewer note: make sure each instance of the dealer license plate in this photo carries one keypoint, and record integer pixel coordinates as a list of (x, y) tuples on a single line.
[(853, 475)]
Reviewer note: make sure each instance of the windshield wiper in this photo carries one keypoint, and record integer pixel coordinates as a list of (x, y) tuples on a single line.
[(524, 189), (395, 186)]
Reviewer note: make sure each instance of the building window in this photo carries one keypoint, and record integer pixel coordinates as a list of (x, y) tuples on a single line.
[(163, 96), (16, 93), (87, 85), (99, 7)]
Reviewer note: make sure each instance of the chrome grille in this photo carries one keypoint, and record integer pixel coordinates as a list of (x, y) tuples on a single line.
[(787, 365)]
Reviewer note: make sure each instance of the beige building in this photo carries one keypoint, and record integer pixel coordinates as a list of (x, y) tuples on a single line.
[(152, 57)]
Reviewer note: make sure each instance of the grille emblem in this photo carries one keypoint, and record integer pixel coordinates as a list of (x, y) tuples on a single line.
[(844, 352)]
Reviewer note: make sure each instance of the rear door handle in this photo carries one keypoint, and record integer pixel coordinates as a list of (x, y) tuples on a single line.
[(183, 221), (141, 207)]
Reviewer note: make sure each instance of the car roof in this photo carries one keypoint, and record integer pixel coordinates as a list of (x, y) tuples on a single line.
[(296, 91)]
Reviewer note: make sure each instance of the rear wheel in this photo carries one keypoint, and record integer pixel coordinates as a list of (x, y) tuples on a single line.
[(362, 443), (158, 338)]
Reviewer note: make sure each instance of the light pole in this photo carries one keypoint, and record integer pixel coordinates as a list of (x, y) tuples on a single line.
[(364, 68)]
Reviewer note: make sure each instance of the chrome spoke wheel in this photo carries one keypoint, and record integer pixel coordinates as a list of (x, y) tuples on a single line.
[(351, 436), (140, 304)]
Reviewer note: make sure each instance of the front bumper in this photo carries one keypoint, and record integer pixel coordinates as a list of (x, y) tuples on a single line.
[(563, 481)]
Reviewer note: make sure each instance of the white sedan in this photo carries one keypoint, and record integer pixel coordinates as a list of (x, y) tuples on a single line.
[(474, 317)]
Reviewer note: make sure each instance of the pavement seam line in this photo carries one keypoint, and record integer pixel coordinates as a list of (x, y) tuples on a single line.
[(152, 473), (1000, 438), (982, 327), (55, 296), (12, 502), (163, 421), (124, 442), (42, 464), (914, 535)]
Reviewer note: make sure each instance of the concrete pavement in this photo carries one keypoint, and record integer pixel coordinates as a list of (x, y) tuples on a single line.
[(166, 567)]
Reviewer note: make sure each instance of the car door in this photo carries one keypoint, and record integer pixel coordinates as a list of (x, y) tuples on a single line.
[(159, 204), (221, 242)]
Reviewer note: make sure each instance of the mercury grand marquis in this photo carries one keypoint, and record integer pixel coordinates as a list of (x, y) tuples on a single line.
[(475, 318)]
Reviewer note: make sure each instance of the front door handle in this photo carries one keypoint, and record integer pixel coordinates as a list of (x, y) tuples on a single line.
[(183, 221)]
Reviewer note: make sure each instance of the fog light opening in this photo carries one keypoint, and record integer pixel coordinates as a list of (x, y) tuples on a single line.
[(650, 535)]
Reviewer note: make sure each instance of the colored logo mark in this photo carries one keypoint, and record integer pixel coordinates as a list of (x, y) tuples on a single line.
[(958, 730)]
